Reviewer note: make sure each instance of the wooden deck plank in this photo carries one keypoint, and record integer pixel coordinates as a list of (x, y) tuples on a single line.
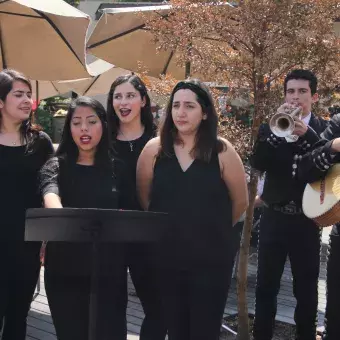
[(40, 325), (286, 300)]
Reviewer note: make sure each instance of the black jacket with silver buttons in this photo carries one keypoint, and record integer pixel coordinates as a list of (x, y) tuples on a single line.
[(319, 159), (280, 161)]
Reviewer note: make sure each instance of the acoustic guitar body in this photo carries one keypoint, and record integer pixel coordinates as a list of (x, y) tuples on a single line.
[(321, 199)]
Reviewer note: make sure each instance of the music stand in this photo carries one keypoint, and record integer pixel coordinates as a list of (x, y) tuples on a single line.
[(94, 226)]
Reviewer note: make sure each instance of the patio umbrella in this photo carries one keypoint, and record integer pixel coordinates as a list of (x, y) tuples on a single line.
[(104, 75), (122, 38), (44, 39), (42, 89)]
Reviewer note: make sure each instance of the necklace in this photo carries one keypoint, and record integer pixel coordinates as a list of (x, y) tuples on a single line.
[(126, 140), (7, 139)]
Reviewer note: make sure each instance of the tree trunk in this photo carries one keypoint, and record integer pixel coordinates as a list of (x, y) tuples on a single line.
[(242, 280), (187, 69)]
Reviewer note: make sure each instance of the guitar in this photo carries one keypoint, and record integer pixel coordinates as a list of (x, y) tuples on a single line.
[(321, 199)]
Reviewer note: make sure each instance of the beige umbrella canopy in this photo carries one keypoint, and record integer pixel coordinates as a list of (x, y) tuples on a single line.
[(121, 39), (45, 89), (104, 75), (44, 39), (101, 83)]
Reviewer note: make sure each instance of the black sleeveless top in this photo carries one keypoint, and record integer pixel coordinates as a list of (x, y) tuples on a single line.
[(200, 207), (19, 169), (128, 153)]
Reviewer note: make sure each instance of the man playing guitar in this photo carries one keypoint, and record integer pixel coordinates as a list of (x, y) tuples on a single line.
[(314, 166)]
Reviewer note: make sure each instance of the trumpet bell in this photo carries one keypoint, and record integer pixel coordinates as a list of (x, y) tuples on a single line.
[(282, 125)]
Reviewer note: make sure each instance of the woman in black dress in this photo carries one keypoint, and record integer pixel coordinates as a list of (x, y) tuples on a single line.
[(198, 178), (23, 151), (84, 175), (129, 111)]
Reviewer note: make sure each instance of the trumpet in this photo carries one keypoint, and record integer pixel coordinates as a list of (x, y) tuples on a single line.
[(283, 124)]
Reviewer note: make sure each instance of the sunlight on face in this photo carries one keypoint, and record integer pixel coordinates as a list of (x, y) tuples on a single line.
[(186, 112), (17, 106), (127, 103), (86, 128)]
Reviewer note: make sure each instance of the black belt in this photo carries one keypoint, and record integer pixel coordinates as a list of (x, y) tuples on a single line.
[(289, 209)]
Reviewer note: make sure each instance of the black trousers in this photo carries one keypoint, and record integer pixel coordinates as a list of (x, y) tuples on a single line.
[(194, 300), (295, 236), (69, 293), (20, 267), (142, 263), (332, 317)]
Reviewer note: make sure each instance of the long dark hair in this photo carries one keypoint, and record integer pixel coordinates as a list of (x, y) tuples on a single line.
[(146, 114), (68, 149), (206, 140), (28, 131)]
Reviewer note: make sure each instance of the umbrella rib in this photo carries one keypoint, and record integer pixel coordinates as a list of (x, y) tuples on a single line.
[(20, 15), (54, 87), (59, 33), (116, 36), (88, 89), (124, 33)]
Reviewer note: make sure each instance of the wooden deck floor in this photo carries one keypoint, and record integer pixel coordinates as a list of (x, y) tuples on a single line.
[(286, 300), (40, 326)]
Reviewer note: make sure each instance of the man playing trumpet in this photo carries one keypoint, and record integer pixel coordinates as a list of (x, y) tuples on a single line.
[(284, 229)]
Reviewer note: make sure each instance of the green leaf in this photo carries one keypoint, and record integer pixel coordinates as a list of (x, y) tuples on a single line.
[(74, 3)]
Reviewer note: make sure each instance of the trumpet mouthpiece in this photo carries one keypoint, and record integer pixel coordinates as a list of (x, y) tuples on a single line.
[(296, 111)]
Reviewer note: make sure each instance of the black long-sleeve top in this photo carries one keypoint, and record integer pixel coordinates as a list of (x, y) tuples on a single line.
[(315, 164), (281, 160), (81, 186)]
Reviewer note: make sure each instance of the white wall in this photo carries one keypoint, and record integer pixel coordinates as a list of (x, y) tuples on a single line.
[(90, 7)]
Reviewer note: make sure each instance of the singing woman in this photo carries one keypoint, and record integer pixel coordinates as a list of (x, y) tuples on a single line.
[(23, 151), (84, 175), (132, 126)]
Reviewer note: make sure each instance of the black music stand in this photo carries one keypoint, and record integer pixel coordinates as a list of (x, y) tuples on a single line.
[(94, 226)]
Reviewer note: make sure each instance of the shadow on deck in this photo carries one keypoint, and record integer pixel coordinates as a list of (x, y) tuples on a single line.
[(40, 325)]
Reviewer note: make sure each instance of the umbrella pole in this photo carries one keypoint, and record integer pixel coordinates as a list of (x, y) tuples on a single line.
[(4, 63), (37, 92), (37, 100)]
